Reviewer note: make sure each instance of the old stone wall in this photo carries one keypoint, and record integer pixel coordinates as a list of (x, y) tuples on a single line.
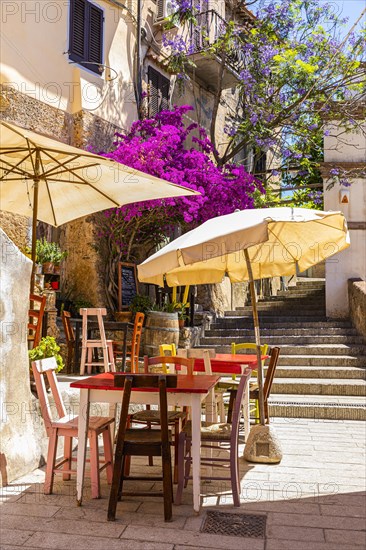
[(82, 272), (357, 304)]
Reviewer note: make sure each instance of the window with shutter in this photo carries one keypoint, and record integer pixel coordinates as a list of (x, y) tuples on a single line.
[(86, 35), (158, 92)]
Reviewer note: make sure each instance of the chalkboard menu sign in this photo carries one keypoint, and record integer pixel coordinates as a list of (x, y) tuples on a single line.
[(127, 284)]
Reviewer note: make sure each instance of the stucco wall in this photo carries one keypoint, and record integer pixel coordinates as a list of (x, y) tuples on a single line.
[(32, 29), (351, 263)]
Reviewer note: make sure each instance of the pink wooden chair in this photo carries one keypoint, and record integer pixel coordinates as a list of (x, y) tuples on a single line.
[(67, 426), (213, 436)]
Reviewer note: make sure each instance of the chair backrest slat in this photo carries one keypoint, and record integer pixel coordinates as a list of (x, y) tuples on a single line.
[(247, 346), (136, 341), (199, 353), (35, 320), (68, 329), (130, 381), (42, 369), (178, 362)]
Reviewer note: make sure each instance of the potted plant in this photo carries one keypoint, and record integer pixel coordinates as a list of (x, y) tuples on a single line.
[(47, 347), (44, 255), (181, 308), (139, 303), (58, 256)]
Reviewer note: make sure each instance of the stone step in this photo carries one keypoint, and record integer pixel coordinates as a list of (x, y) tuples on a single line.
[(324, 349), (289, 332), (286, 307), (310, 283), (281, 339), (301, 294), (291, 299), (314, 386), (322, 360), (318, 407), (282, 316), (245, 323), (340, 373)]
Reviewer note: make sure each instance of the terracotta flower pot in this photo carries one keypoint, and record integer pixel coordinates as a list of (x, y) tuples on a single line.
[(48, 267)]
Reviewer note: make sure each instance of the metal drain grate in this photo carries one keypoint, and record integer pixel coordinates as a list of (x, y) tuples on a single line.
[(235, 525)]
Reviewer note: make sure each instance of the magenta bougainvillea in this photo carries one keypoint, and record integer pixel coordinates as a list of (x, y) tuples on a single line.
[(159, 146), (166, 147)]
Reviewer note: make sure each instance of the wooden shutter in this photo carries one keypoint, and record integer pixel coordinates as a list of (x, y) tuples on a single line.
[(159, 92), (160, 9), (86, 34), (95, 52), (77, 48)]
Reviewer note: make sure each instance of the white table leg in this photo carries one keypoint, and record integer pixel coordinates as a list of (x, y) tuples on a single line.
[(196, 451), (82, 440)]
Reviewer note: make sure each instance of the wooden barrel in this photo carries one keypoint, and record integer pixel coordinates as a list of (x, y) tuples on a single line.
[(160, 328)]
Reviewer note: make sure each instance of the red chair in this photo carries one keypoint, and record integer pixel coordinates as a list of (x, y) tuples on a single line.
[(35, 314), (67, 426)]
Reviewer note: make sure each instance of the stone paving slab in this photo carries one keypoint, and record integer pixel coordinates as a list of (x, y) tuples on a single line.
[(313, 500)]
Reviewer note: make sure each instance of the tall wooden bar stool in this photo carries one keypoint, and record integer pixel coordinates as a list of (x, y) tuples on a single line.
[(88, 345)]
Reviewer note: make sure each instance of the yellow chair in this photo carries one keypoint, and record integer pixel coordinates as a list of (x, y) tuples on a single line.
[(168, 350), (235, 348)]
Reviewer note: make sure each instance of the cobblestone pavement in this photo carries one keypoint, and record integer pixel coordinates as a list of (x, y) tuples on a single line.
[(313, 500)]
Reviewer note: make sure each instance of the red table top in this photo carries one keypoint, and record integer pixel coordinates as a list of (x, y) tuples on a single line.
[(228, 363), (185, 384)]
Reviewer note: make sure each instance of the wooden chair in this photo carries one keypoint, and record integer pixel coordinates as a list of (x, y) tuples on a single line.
[(150, 417), (88, 345), (137, 442), (267, 386), (70, 339), (206, 354), (248, 346), (213, 437), (133, 352), (35, 320), (168, 350), (67, 426)]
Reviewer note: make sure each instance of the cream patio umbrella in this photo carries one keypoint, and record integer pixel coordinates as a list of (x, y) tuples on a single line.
[(55, 183), (249, 245)]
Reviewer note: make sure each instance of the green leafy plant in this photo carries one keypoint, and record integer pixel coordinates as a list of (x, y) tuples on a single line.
[(166, 307), (47, 347), (180, 308), (141, 304), (49, 252)]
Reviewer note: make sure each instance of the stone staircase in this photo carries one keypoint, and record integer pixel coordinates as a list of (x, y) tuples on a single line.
[(322, 367)]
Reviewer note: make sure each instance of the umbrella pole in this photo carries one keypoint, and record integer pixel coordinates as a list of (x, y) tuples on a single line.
[(257, 337), (34, 220)]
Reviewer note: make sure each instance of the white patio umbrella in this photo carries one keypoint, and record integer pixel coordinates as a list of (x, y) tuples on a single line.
[(249, 245), (53, 182)]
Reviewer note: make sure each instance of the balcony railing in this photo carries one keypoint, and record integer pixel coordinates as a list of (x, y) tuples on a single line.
[(209, 28)]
